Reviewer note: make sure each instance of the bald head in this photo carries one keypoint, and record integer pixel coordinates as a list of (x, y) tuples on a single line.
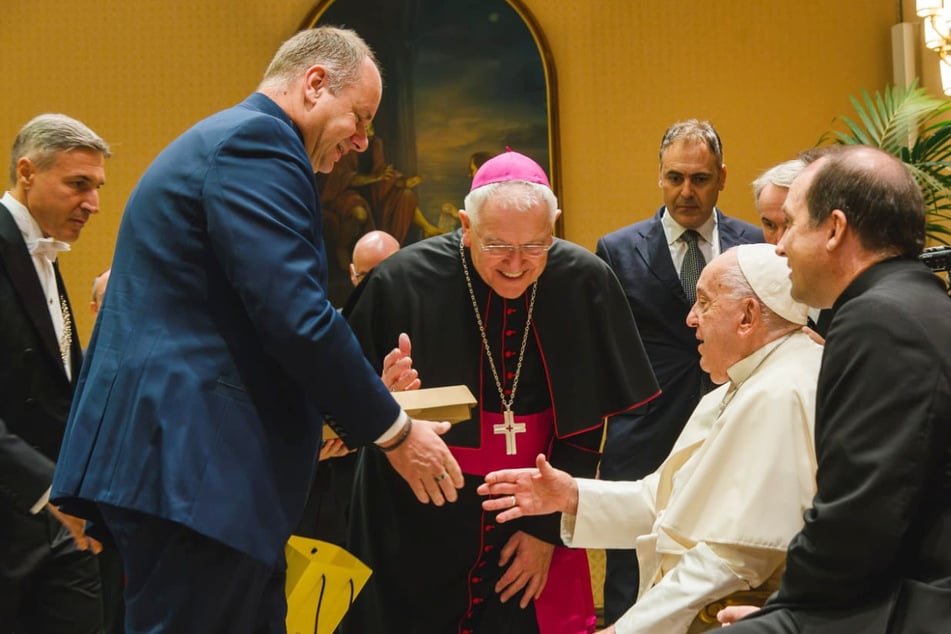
[(845, 212), (877, 194), (370, 250)]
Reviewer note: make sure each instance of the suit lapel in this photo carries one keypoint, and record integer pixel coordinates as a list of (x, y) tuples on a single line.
[(23, 277), (656, 255), (729, 236)]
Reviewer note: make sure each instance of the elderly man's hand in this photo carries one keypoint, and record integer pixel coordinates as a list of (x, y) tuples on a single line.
[(538, 491), (425, 462), (530, 559)]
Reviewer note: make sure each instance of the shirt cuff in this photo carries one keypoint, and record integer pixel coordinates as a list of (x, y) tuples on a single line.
[(41, 503), (394, 429), (567, 528)]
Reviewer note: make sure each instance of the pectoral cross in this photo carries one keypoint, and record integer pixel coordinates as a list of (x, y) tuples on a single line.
[(509, 428)]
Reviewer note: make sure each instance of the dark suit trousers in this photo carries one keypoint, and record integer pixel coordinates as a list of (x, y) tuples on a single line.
[(50, 587), (180, 581), (113, 583)]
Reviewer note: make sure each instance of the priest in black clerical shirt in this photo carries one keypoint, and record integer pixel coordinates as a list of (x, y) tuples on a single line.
[(540, 331)]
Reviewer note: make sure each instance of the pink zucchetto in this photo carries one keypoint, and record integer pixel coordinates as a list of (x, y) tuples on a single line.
[(509, 166)]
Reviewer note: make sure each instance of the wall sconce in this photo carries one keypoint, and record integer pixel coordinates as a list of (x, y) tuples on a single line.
[(937, 23)]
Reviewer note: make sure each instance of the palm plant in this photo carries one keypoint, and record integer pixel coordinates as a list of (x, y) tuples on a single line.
[(913, 126)]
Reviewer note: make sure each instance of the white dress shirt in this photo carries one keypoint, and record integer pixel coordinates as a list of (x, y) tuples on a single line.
[(709, 241)]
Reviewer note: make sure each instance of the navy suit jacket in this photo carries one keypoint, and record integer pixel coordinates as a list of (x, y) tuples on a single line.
[(638, 442), (216, 354), (35, 396)]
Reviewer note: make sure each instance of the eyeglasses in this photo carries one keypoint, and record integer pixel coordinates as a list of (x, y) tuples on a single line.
[(508, 250)]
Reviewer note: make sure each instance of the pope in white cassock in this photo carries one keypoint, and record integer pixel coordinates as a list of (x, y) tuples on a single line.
[(717, 516)]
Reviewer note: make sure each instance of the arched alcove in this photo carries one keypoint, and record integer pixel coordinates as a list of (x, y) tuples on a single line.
[(462, 79)]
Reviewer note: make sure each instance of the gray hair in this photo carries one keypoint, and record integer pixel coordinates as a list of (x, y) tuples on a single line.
[(781, 175), (340, 51), (47, 135), (519, 196), (694, 130)]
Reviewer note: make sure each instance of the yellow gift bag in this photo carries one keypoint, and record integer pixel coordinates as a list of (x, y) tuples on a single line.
[(322, 582)]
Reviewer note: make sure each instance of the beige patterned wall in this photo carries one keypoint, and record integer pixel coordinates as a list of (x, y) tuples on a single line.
[(770, 75)]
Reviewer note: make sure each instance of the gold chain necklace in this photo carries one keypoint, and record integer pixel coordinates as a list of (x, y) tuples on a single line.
[(66, 341), (508, 414)]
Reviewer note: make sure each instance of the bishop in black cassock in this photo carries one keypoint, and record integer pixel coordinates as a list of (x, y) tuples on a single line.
[(435, 568)]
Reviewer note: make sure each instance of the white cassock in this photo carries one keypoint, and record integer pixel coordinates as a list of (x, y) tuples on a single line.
[(718, 514)]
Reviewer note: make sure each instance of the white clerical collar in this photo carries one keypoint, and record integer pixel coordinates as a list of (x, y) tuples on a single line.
[(673, 229)]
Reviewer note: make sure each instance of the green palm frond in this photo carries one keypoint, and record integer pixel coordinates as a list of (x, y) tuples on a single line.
[(913, 126)]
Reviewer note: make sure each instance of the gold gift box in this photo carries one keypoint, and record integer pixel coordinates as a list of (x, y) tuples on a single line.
[(452, 403)]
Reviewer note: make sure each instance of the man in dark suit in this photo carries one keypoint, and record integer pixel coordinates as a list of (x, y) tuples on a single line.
[(217, 356), (874, 554), (49, 578), (649, 258)]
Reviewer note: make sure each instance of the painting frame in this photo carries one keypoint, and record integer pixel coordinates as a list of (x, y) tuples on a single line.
[(545, 60)]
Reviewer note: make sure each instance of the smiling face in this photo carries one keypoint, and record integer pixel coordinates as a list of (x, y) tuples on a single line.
[(335, 124), (508, 274), (718, 317), (61, 197), (804, 245), (691, 180)]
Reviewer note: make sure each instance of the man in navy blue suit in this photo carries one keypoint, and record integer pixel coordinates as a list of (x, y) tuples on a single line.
[(217, 356), (649, 258)]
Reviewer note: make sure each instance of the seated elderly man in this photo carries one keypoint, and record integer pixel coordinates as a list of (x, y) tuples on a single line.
[(716, 517)]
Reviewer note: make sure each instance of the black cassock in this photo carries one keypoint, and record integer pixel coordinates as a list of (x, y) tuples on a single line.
[(434, 568)]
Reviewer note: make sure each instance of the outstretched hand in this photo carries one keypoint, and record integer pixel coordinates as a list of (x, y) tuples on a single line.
[(423, 459), (426, 463), (398, 373), (522, 492)]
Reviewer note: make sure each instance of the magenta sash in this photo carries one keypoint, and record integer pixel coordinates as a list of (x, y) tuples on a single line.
[(566, 605)]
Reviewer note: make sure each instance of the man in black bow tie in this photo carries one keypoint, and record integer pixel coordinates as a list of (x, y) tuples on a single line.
[(49, 577)]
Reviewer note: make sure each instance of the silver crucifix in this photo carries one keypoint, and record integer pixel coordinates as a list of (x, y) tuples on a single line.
[(509, 428)]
